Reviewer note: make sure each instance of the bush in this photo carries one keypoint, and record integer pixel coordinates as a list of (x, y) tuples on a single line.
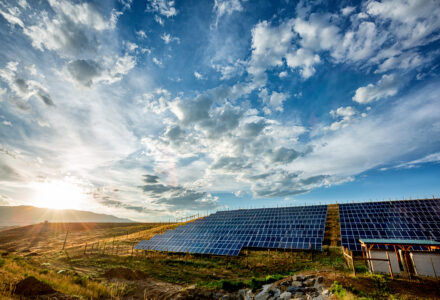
[(338, 290), (256, 283), (232, 285)]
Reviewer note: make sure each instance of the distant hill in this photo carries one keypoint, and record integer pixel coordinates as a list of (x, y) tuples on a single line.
[(26, 215)]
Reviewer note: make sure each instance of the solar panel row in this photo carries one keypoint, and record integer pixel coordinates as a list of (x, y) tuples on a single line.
[(407, 219), (227, 232)]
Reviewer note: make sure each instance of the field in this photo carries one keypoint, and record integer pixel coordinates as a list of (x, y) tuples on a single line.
[(98, 262)]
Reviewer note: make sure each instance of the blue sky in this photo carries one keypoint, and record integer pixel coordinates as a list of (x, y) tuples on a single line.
[(158, 109)]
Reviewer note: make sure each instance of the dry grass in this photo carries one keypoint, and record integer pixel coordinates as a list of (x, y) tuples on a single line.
[(16, 269)]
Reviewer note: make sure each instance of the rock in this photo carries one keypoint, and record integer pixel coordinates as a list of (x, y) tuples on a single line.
[(264, 294), (297, 283), (242, 293), (286, 296), (299, 278), (30, 286), (249, 295), (326, 292), (309, 282), (309, 276), (286, 283), (298, 294), (276, 293), (318, 298), (309, 290), (293, 289), (320, 279)]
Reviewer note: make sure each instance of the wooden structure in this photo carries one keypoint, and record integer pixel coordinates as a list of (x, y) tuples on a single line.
[(349, 259), (405, 245)]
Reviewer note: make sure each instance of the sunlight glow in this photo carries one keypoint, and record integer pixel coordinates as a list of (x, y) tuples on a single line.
[(58, 195)]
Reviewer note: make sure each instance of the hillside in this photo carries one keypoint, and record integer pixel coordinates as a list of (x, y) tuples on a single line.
[(26, 215)]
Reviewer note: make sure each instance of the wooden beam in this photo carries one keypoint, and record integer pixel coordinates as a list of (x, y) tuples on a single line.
[(389, 265)]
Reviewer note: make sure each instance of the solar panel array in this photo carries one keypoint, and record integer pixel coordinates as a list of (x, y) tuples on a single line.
[(227, 232), (407, 219)]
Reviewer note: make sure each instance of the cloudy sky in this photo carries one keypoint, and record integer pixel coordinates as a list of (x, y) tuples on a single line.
[(157, 109)]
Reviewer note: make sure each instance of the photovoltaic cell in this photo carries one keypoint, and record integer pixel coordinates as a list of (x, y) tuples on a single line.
[(227, 232), (406, 219)]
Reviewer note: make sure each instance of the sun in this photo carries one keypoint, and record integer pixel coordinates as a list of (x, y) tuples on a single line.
[(58, 194)]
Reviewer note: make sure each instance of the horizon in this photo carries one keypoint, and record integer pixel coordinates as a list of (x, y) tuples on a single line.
[(150, 110)]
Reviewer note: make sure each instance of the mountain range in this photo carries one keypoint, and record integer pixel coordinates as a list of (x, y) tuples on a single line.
[(26, 215)]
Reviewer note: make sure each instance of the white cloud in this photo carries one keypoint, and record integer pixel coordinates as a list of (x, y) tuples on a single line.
[(72, 30), (408, 60), (2, 94), (411, 21), (387, 86), (304, 60), (198, 75), (167, 38), (269, 45), (12, 16), (111, 70), (226, 7), (434, 157), (347, 10), (141, 34), (274, 101), (240, 193), (164, 7), (131, 46), (378, 139), (317, 33), (157, 61), (159, 20), (85, 14), (24, 88), (344, 116), (282, 74), (7, 123), (156, 101)]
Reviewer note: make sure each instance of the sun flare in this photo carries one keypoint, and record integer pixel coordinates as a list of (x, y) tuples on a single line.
[(58, 195)]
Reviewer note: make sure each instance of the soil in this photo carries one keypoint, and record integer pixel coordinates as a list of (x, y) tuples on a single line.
[(145, 288), (30, 286), (124, 273)]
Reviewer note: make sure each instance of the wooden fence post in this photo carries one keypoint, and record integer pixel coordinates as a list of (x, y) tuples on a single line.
[(389, 265), (65, 239)]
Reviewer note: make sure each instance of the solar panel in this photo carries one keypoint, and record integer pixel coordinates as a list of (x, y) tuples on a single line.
[(406, 219), (227, 232)]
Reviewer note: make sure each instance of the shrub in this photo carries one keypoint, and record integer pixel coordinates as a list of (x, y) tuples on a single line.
[(338, 290), (232, 285)]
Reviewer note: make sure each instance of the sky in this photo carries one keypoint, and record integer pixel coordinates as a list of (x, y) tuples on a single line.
[(155, 109)]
